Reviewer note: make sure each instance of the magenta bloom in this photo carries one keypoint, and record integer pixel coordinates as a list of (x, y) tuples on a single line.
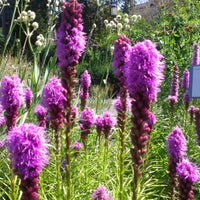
[(144, 70), (117, 103), (176, 145), (186, 79), (188, 174), (101, 194), (191, 111), (85, 83), (28, 97), (99, 124), (196, 54), (71, 38), (77, 145), (121, 48), (85, 80), (28, 152), (53, 98), (173, 96), (87, 120), (41, 113), (108, 121), (27, 146), (12, 93), (12, 98)]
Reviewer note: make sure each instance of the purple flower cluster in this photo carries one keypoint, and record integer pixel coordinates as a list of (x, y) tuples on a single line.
[(191, 111), (176, 145), (144, 71), (196, 54), (185, 86), (121, 48), (53, 98), (104, 123), (41, 113), (28, 149), (71, 38), (101, 194), (28, 97), (117, 103), (85, 83), (186, 80), (87, 120), (188, 174), (12, 98), (173, 96)]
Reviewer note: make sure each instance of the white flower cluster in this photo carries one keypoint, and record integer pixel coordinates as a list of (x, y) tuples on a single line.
[(26, 16), (122, 22), (3, 3), (40, 42)]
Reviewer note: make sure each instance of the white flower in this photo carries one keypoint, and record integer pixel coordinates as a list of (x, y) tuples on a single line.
[(126, 20), (118, 17), (35, 25), (126, 15), (94, 25), (105, 21), (127, 27), (119, 26), (134, 18), (31, 15), (139, 17), (109, 26)]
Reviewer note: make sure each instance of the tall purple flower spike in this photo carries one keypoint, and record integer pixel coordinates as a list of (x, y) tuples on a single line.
[(12, 98), (185, 86), (177, 147), (71, 38), (196, 54), (144, 75), (173, 96), (28, 151), (188, 174), (41, 113), (85, 83), (87, 120), (53, 98)]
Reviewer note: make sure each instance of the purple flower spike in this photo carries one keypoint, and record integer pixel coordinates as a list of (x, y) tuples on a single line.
[(99, 124), (12, 98), (144, 70), (117, 103), (85, 80), (176, 145), (101, 194), (173, 96), (53, 98), (41, 113), (122, 47), (27, 146), (28, 97), (188, 174), (85, 83), (186, 80), (108, 121), (71, 38), (196, 54), (28, 152), (87, 120)]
